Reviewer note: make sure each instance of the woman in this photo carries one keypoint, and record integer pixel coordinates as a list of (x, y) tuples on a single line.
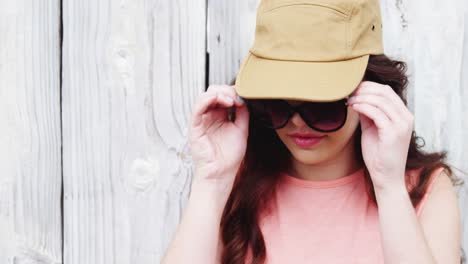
[(356, 189)]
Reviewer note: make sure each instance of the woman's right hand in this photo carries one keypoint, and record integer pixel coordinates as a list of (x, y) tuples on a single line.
[(217, 144)]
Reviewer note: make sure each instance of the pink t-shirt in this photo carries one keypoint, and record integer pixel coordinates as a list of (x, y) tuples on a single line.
[(330, 221)]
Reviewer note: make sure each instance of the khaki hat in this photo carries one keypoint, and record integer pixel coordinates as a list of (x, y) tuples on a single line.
[(312, 50)]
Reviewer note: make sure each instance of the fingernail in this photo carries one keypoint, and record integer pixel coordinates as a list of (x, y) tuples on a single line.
[(240, 99), (228, 98)]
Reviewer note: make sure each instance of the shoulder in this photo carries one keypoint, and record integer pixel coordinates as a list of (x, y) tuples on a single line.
[(438, 185), (440, 191), (440, 217)]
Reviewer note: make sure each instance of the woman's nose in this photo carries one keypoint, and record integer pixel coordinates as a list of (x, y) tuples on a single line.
[(297, 120)]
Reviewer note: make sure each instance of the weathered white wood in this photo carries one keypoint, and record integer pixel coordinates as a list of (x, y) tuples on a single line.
[(462, 113), (432, 40), (431, 36), (132, 70), (230, 27), (30, 158)]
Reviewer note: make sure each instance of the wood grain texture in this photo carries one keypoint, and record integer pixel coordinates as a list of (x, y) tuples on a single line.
[(462, 113), (430, 36), (230, 27), (131, 71), (30, 133)]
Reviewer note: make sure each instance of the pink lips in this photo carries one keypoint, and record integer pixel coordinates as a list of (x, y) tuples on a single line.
[(305, 142)]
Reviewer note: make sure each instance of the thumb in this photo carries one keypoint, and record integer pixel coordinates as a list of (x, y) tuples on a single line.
[(365, 122), (242, 118)]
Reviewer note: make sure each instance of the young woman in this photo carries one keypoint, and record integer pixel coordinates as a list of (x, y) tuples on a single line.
[(289, 179), (340, 200)]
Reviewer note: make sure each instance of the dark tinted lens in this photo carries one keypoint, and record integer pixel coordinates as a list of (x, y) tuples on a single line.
[(272, 113), (325, 116)]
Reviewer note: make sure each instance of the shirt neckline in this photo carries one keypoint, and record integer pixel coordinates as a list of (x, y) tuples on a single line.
[(291, 180)]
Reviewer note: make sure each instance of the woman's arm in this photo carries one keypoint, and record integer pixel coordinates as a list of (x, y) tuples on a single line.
[(197, 237), (435, 238), (440, 221)]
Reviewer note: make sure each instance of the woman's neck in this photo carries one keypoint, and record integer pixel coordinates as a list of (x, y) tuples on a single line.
[(344, 163)]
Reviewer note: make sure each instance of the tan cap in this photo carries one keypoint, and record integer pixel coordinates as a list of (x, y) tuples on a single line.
[(310, 50)]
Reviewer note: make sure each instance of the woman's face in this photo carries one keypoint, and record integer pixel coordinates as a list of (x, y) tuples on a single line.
[(330, 146)]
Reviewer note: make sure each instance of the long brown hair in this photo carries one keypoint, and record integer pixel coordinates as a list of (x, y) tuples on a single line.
[(266, 156)]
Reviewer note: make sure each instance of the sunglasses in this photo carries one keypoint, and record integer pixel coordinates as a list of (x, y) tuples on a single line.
[(320, 116)]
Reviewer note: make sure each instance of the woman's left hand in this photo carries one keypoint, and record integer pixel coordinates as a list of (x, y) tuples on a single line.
[(387, 126)]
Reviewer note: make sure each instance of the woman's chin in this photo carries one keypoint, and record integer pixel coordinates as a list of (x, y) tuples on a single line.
[(308, 156)]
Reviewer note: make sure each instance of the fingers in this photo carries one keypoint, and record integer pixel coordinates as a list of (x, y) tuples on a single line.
[(378, 101), (216, 95), (375, 114), (228, 90), (242, 119), (384, 98), (207, 101), (368, 87), (242, 113)]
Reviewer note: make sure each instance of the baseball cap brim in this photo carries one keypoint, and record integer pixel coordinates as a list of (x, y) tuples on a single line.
[(261, 78)]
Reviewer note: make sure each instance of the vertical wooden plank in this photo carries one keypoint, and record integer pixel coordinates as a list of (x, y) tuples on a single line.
[(231, 28), (428, 35), (30, 134), (437, 49), (461, 113), (132, 69), (398, 39)]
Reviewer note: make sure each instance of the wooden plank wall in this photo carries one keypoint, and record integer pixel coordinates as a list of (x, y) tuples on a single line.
[(30, 134), (131, 71)]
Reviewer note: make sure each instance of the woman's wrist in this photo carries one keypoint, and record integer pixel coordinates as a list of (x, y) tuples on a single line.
[(208, 198), (216, 188), (214, 180)]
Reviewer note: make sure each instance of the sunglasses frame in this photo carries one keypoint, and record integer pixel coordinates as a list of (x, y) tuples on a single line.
[(298, 109)]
